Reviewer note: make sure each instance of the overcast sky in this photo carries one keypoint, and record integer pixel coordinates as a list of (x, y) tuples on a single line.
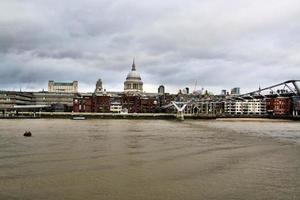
[(218, 43)]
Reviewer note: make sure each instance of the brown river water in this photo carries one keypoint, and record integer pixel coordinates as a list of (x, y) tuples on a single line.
[(149, 159)]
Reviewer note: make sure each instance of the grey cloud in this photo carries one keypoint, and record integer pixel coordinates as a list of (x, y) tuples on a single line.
[(221, 44)]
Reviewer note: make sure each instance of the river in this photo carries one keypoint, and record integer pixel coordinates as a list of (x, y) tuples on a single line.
[(149, 159)]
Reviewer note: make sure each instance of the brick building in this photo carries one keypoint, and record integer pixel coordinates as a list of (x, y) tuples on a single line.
[(149, 104), (131, 103), (83, 103), (101, 104), (282, 106)]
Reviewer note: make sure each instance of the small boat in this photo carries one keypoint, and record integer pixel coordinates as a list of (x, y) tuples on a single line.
[(79, 118), (27, 134)]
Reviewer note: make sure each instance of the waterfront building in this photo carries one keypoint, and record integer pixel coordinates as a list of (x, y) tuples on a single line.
[(282, 106), (205, 107), (91, 102), (133, 83), (8, 99), (245, 107), (83, 103), (115, 108), (270, 105), (231, 107), (63, 87), (132, 103), (58, 101), (101, 103), (149, 104), (255, 106), (115, 103)]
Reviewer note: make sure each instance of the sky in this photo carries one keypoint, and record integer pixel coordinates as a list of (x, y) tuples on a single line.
[(220, 44)]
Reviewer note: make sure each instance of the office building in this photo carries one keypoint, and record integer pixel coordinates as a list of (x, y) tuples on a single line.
[(63, 87)]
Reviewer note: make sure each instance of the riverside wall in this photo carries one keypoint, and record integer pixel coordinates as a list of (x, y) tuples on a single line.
[(72, 115)]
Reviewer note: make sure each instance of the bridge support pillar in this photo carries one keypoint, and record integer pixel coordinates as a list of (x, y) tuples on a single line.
[(180, 109), (180, 116)]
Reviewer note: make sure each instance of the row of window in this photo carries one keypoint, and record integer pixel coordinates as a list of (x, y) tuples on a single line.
[(134, 86)]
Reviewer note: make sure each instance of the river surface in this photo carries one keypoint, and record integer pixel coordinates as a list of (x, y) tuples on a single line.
[(149, 159)]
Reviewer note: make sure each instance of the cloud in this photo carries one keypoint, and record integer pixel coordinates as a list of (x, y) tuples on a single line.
[(221, 44)]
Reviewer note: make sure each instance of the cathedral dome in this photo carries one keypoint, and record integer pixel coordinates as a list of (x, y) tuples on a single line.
[(133, 75), (133, 82)]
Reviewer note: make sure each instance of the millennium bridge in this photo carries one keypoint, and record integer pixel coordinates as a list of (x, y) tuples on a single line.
[(215, 105)]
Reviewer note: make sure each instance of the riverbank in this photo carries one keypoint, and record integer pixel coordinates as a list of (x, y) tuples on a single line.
[(136, 116), (71, 115)]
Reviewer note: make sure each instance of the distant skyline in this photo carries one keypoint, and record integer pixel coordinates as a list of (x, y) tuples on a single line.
[(218, 43)]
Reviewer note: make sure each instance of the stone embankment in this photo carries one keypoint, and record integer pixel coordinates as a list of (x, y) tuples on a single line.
[(72, 115)]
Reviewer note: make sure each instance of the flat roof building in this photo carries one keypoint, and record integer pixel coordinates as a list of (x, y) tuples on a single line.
[(63, 87)]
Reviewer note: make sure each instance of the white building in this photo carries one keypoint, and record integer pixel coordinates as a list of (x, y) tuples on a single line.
[(63, 87), (245, 107), (116, 108), (256, 106)]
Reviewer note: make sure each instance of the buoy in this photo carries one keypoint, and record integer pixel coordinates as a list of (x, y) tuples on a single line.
[(27, 134)]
